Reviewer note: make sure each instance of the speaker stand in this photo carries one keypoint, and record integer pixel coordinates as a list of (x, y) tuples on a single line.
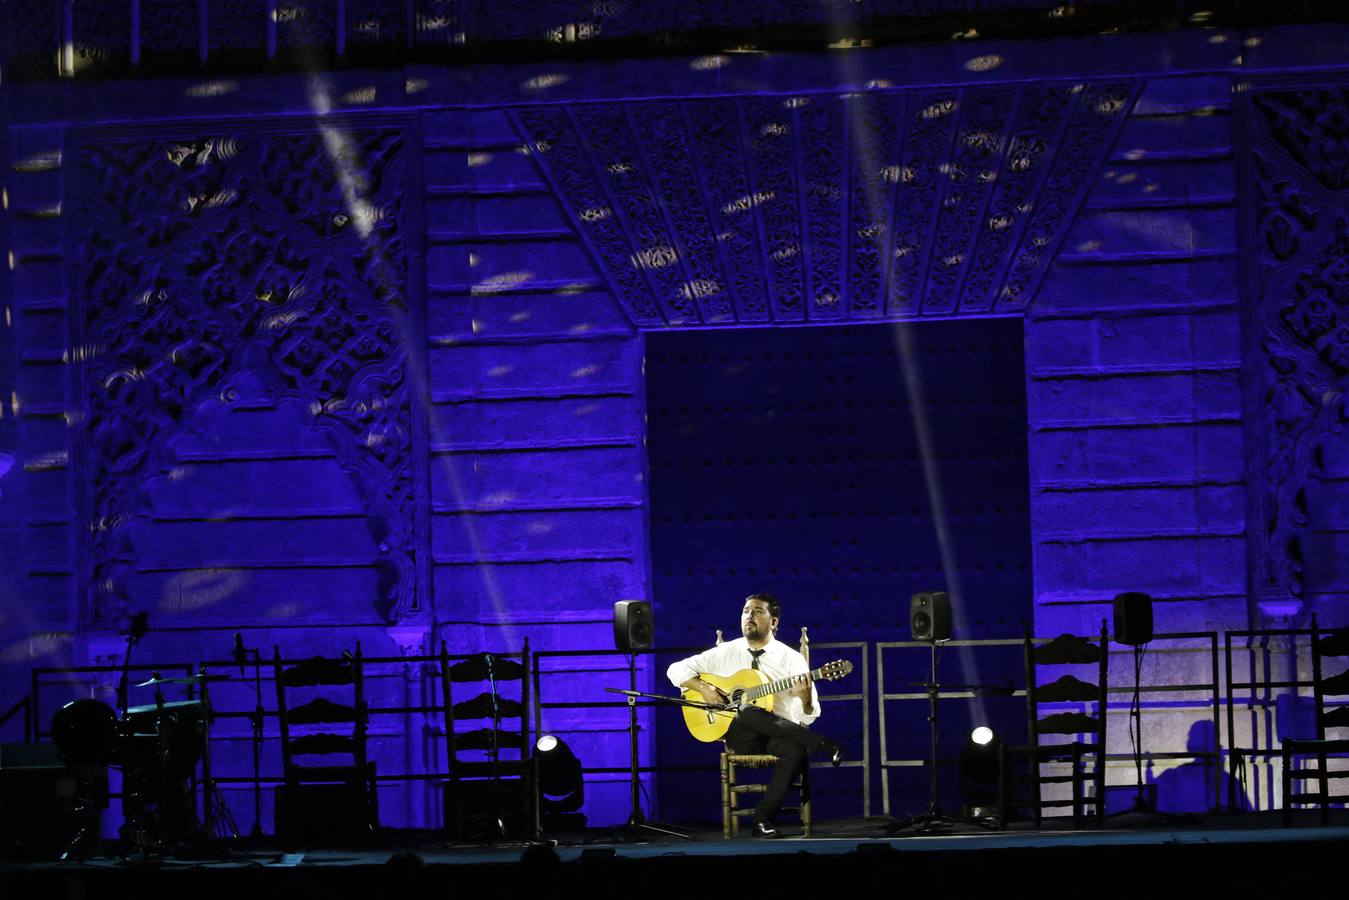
[(1142, 812), (934, 821)]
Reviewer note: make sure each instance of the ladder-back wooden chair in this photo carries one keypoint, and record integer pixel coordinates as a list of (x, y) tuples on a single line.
[(1317, 765), (329, 781), (1086, 728)]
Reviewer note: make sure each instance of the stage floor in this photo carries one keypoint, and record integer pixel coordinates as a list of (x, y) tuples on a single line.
[(1238, 854)]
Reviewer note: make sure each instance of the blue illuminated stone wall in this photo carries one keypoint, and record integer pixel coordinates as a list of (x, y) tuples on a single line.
[(461, 454), (1135, 398)]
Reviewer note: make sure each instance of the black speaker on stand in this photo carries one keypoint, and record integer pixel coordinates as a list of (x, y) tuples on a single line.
[(930, 622), (633, 625), (930, 616), (633, 631), (1133, 626)]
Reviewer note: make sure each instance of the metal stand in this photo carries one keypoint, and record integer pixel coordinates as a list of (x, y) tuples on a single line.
[(256, 721), (934, 820), (1142, 810), (638, 827)]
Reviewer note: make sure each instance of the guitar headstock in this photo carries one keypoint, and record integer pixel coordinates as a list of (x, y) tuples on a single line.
[(832, 671)]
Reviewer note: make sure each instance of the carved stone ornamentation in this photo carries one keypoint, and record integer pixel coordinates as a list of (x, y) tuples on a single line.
[(237, 27), (169, 29), (1299, 367), (1313, 127), (437, 23), (36, 37), (717, 138), (309, 25), (271, 257), (1094, 121), (377, 24), (796, 208), (102, 32), (559, 147), (876, 138)]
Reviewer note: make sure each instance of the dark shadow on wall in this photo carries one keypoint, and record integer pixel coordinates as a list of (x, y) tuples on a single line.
[(1189, 787)]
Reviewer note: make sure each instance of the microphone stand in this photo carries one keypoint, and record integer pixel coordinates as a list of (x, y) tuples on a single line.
[(255, 720), (638, 825), (934, 820)]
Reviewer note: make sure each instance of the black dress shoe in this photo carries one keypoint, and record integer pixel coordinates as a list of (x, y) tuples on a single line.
[(835, 754), (764, 830)]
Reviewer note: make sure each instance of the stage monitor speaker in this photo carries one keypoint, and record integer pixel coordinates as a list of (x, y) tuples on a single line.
[(930, 616), (633, 627), (1133, 618)]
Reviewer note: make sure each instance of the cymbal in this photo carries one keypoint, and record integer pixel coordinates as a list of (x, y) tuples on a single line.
[(183, 679)]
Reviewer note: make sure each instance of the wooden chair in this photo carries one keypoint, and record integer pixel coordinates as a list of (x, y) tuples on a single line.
[(1308, 761), (732, 789), (491, 790), (331, 800), (1091, 659)]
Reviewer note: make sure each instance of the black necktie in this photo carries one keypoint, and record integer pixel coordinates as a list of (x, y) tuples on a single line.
[(756, 654)]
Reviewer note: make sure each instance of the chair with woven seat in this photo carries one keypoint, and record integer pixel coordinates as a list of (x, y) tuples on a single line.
[(1066, 651), (732, 790), (1308, 760), (333, 798)]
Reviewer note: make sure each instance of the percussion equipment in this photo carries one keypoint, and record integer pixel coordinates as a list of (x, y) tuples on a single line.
[(86, 732), (200, 678), (173, 737)]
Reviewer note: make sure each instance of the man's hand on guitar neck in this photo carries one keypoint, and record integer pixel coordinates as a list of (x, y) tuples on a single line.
[(801, 691)]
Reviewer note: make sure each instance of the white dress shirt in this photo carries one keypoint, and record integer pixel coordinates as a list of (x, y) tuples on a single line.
[(778, 661)]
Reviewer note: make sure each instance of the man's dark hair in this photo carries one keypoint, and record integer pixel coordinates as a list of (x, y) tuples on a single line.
[(774, 607)]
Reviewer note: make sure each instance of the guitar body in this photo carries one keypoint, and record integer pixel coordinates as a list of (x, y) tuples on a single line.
[(708, 725)]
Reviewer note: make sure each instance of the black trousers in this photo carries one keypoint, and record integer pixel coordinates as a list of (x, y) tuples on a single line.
[(756, 730)]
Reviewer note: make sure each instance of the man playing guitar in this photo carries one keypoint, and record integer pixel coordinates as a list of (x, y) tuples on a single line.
[(782, 732)]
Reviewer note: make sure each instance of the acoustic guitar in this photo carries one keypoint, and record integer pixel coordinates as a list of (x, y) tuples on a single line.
[(748, 687)]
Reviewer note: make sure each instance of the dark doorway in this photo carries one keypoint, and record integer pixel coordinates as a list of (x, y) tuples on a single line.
[(787, 460)]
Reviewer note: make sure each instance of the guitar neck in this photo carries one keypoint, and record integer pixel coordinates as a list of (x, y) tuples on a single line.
[(777, 687)]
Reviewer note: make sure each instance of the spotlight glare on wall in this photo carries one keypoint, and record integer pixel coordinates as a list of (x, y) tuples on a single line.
[(982, 735)]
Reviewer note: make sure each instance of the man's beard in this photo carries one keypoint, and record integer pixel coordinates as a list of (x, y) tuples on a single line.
[(754, 632)]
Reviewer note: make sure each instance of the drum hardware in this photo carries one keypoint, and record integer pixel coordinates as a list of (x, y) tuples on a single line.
[(162, 744), (201, 678), (140, 624), (85, 732)]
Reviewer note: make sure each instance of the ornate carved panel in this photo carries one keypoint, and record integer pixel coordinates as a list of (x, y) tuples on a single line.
[(378, 24), (1081, 147), (102, 32), (876, 138), (828, 207), (244, 257), (36, 33), (437, 23), (717, 138), (237, 27), (306, 24), (1299, 371), (168, 29)]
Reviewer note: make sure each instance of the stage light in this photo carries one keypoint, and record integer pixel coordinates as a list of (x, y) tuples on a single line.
[(561, 783), (982, 783)]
